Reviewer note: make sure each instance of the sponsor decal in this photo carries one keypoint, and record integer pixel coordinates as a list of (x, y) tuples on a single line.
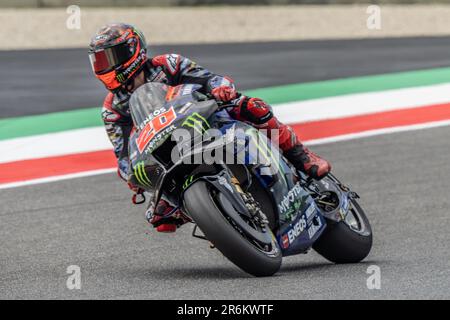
[(188, 181), (172, 63), (101, 37), (197, 122), (158, 137), (160, 77), (141, 174), (310, 211), (187, 89), (109, 115), (154, 125), (151, 116), (121, 77), (186, 107), (266, 150), (312, 230), (290, 198), (296, 230), (285, 241), (124, 36), (157, 75)]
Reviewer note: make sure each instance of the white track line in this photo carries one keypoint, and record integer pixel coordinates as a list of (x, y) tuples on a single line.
[(377, 132), (362, 103), (95, 139), (310, 142), (56, 178), (54, 144)]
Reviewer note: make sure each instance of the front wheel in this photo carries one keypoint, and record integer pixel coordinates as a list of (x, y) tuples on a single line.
[(206, 207), (347, 241)]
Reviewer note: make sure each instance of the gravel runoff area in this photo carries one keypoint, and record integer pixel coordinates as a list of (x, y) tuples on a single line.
[(46, 28)]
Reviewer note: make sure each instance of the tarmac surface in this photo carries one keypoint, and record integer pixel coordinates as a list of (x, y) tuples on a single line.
[(403, 179), (42, 81)]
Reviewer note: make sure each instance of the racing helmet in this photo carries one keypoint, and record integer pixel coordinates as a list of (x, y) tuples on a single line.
[(117, 53)]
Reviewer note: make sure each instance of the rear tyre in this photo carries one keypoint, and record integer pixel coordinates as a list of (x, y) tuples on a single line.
[(205, 210), (348, 241)]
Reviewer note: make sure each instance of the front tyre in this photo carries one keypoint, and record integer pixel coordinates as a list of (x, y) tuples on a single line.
[(348, 241), (204, 207)]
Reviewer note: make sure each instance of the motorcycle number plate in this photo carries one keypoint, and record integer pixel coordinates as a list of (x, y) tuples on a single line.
[(158, 123)]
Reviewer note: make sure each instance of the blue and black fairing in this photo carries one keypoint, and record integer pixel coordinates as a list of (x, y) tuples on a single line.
[(147, 102), (299, 222)]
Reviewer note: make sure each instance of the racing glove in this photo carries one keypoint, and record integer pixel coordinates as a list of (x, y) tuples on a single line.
[(225, 91)]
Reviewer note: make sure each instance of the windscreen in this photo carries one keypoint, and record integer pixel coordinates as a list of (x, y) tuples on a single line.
[(147, 99)]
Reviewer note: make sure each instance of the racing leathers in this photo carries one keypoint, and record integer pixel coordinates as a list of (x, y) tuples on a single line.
[(173, 69)]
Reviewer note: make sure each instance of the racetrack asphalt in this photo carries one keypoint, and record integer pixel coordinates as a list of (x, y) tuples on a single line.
[(42, 81), (403, 179)]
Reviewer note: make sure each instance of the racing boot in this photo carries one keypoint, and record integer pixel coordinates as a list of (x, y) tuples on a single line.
[(164, 219), (301, 157), (307, 161)]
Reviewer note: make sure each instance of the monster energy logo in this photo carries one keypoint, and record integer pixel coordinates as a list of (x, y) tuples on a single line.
[(197, 122), (141, 175), (265, 151), (188, 182), (120, 77)]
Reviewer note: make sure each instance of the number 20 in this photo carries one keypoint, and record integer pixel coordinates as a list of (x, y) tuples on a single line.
[(154, 126)]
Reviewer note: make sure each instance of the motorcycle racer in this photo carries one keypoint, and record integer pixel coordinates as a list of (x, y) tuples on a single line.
[(119, 59)]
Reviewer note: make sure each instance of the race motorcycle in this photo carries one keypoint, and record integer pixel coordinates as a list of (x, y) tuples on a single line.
[(253, 211)]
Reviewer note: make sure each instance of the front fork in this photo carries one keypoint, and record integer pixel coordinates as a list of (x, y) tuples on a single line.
[(237, 204)]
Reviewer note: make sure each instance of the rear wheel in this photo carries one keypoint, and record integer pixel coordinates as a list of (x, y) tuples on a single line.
[(211, 213), (347, 241)]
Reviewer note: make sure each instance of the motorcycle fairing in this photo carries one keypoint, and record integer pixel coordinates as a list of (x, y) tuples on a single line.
[(147, 102), (292, 207), (232, 205), (294, 224), (151, 105)]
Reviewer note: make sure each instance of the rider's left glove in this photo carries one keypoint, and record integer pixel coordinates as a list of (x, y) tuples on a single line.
[(225, 91)]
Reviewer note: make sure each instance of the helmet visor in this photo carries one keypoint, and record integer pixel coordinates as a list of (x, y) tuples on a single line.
[(108, 59)]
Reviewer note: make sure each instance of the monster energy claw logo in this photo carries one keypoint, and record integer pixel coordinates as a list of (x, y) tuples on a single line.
[(141, 175), (188, 182), (197, 122), (120, 78)]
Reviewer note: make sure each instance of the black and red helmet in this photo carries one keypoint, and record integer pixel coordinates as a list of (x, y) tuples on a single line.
[(117, 53)]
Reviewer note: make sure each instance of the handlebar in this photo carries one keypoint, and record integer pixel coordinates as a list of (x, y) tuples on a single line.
[(224, 105)]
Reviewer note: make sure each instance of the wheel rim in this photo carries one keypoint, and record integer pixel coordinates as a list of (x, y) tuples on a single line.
[(273, 251), (354, 220)]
